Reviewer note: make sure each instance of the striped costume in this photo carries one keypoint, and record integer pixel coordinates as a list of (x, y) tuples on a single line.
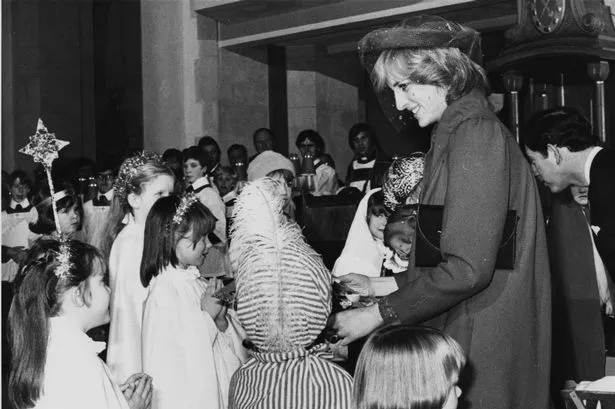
[(299, 379), (283, 302)]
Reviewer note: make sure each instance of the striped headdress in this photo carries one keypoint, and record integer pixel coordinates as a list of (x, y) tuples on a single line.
[(283, 287)]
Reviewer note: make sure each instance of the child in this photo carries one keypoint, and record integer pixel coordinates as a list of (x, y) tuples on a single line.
[(408, 367), (365, 251), (191, 353), (15, 220), (195, 172), (142, 179), (283, 302), (399, 235), (61, 292), (226, 181), (70, 213), (96, 211), (279, 168)]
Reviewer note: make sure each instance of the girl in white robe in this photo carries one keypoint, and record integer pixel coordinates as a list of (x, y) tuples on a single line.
[(364, 251), (191, 347), (61, 293), (142, 179)]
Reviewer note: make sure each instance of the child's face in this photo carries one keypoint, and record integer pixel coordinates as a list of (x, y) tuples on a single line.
[(402, 244), (193, 170), (285, 187), (189, 253), (104, 180), (225, 182), (69, 219), (19, 190), (376, 226), (160, 186), (100, 293)]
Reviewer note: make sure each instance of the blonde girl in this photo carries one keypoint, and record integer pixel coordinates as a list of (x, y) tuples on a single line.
[(142, 179)]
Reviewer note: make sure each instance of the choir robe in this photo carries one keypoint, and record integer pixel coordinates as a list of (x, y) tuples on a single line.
[(190, 360)]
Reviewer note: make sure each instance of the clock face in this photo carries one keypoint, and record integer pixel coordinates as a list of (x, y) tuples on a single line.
[(547, 15)]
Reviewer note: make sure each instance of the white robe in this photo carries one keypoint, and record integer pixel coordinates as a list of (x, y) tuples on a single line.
[(16, 232), (361, 254), (95, 219), (75, 377), (127, 298), (190, 361)]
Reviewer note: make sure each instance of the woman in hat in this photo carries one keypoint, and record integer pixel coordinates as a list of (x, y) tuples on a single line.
[(476, 171)]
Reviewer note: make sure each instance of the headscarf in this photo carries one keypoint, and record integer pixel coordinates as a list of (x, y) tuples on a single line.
[(283, 287), (362, 254), (403, 178), (266, 162)]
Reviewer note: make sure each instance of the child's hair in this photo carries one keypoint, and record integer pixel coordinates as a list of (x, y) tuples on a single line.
[(38, 296), (229, 171), (162, 233), (375, 206), (286, 174), (132, 177), (407, 367), (197, 153), (22, 176), (399, 221), (65, 196)]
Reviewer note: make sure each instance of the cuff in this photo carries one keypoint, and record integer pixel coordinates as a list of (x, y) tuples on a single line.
[(387, 312)]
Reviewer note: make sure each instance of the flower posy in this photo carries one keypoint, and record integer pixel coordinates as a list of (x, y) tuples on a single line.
[(43, 146), (186, 202)]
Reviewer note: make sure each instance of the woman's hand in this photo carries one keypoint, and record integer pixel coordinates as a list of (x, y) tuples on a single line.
[(138, 391), (358, 282), (209, 303), (357, 323)]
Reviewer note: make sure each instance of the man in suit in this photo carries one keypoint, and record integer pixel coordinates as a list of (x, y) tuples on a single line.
[(565, 153)]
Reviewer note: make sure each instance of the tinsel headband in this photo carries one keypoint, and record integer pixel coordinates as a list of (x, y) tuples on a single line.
[(187, 201), (44, 147), (130, 169)]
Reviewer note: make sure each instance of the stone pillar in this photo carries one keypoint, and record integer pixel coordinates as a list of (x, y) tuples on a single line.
[(171, 47), (302, 91)]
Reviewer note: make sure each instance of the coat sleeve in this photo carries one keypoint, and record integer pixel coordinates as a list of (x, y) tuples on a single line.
[(475, 208)]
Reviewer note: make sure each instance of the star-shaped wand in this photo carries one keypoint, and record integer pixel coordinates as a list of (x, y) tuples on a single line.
[(44, 147)]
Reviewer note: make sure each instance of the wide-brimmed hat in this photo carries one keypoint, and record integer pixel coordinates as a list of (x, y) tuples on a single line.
[(420, 32)]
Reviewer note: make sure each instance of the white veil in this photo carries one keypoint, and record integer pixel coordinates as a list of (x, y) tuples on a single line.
[(362, 254)]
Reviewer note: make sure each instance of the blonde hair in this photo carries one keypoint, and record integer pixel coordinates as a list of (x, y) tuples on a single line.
[(138, 171), (447, 68), (405, 367)]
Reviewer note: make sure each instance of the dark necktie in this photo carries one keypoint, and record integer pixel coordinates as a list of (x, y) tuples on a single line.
[(189, 189), (19, 208), (101, 201)]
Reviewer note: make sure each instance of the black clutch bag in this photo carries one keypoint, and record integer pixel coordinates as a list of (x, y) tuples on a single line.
[(429, 229)]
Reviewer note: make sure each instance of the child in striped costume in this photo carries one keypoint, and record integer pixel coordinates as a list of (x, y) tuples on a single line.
[(283, 302)]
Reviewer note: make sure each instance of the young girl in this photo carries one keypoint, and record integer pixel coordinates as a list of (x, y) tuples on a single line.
[(365, 251), (408, 367), (399, 235), (142, 179), (70, 213), (61, 293), (190, 345)]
